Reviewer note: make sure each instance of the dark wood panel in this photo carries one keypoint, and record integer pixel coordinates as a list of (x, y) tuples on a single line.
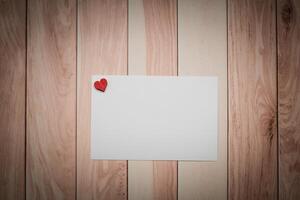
[(252, 99), (288, 16), (12, 98), (51, 99), (102, 49)]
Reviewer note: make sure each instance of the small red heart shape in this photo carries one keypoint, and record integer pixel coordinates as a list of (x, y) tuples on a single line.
[(101, 85)]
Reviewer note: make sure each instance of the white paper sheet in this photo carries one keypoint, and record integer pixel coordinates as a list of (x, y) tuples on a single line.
[(155, 118)]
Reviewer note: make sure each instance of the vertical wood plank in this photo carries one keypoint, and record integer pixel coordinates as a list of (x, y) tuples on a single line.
[(102, 49), (140, 173), (153, 50), (161, 36), (51, 99), (202, 46), (12, 98), (288, 28), (252, 99)]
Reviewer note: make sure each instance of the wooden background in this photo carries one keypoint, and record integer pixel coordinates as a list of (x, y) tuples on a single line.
[(50, 48)]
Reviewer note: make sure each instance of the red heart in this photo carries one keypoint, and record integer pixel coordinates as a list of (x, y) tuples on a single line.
[(101, 85)]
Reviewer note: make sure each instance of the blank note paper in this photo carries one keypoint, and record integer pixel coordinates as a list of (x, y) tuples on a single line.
[(155, 118)]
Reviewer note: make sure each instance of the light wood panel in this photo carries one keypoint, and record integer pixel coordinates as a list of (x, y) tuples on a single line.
[(51, 99), (102, 49), (12, 98), (152, 51), (288, 16), (252, 99), (202, 46)]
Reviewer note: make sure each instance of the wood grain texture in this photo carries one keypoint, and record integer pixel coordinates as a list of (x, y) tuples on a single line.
[(288, 28), (12, 98), (153, 37), (252, 99), (202, 46), (161, 48), (161, 36), (51, 99), (140, 173), (102, 49)]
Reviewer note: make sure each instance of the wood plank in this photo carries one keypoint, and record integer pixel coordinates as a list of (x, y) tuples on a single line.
[(102, 48), (252, 99), (51, 99), (140, 173), (152, 51), (288, 15), (202, 45), (12, 101)]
